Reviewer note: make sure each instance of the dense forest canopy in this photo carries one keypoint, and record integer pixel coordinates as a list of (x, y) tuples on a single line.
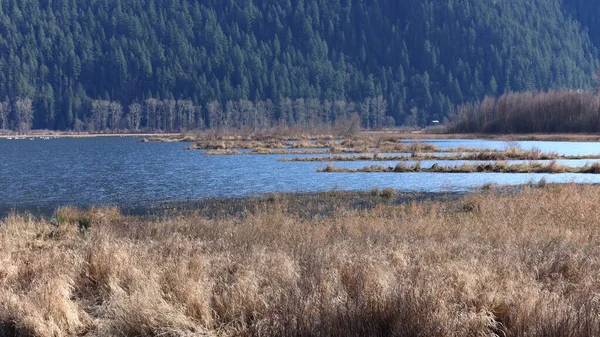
[(176, 64)]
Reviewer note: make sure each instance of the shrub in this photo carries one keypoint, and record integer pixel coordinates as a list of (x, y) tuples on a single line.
[(401, 167), (542, 183), (388, 193)]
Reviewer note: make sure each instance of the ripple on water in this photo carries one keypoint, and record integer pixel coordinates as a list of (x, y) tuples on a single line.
[(116, 170)]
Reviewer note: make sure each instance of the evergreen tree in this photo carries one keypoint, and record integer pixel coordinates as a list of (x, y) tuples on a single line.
[(71, 57)]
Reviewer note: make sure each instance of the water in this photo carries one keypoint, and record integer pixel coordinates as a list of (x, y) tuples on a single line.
[(122, 171), (564, 148)]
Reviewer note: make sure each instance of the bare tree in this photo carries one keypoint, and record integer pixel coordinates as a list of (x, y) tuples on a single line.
[(181, 122), (215, 114), (4, 112), (413, 119), (24, 111), (269, 113), (354, 125), (527, 112), (262, 120), (200, 120), (116, 115), (390, 122), (366, 112), (134, 116), (313, 110), (339, 109), (597, 80), (379, 106), (347, 126), (151, 113), (286, 112), (326, 112), (247, 113), (78, 125), (100, 109), (300, 112), (186, 115), (231, 116), (168, 112)]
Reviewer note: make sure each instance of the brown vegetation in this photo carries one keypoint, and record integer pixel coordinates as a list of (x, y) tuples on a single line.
[(556, 137), (262, 151), (557, 111), (426, 135), (392, 133), (286, 144), (227, 145), (217, 142), (496, 167), (508, 154), (213, 142), (494, 263)]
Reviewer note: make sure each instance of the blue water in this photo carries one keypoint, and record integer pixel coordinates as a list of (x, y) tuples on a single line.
[(122, 171), (566, 148)]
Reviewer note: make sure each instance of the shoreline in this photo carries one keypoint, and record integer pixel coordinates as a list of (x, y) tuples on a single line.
[(233, 206), (299, 203), (86, 135), (414, 135), (549, 137)]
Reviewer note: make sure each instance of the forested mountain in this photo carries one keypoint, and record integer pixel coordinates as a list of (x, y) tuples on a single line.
[(588, 14), (180, 64)]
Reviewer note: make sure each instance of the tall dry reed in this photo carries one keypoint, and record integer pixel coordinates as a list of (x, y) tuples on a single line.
[(501, 263)]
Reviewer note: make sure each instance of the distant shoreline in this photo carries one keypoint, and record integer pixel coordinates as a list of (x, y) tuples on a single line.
[(416, 135), (88, 135), (549, 137)]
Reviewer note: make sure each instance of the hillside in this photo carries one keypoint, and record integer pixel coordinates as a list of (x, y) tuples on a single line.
[(75, 64)]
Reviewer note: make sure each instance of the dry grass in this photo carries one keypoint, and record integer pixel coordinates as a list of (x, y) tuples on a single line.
[(298, 135), (562, 137), (227, 144), (263, 151), (417, 150), (468, 155), (273, 142), (496, 167), (239, 136), (514, 264)]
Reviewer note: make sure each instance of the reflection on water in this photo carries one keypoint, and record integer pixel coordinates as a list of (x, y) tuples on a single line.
[(90, 171)]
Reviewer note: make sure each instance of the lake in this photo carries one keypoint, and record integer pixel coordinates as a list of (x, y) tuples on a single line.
[(45, 174)]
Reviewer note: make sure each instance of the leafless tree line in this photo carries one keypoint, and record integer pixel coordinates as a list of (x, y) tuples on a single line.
[(179, 115), (170, 115), (17, 115), (530, 112), (300, 112), (152, 114)]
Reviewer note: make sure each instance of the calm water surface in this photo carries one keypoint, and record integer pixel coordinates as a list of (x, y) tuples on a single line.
[(122, 171)]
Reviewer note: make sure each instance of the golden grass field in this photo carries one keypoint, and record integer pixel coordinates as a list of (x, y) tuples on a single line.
[(489, 263)]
